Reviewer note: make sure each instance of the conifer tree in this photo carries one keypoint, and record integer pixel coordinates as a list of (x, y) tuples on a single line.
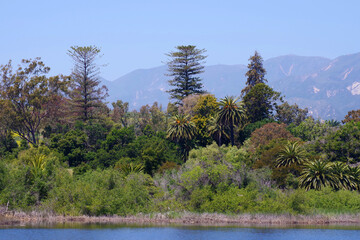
[(184, 66), (261, 102), (255, 74), (86, 96)]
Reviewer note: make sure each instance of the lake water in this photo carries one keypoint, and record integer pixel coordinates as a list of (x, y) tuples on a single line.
[(177, 233)]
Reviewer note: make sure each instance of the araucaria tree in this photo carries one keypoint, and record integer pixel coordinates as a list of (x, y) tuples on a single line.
[(255, 74), (86, 95), (184, 66)]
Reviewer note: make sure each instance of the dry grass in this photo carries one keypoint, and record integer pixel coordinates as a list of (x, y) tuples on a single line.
[(184, 218)]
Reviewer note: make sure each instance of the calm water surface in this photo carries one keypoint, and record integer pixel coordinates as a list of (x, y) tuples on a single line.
[(177, 233)]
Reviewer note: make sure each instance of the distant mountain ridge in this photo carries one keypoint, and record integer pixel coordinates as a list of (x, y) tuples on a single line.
[(329, 88)]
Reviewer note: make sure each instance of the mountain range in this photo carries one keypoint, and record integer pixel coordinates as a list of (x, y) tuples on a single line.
[(329, 88)]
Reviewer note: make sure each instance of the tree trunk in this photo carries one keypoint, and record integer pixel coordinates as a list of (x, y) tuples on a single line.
[(232, 134)]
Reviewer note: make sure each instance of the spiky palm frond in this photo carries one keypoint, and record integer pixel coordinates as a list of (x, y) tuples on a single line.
[(333, 123), (231, 111), (218, 131), (317, 174), (129, 168), (181, 128), (231, 114), (354, 176), (341, 174), (291, 153)]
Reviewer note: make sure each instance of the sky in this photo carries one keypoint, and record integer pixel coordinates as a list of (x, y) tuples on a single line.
[(137, 34)]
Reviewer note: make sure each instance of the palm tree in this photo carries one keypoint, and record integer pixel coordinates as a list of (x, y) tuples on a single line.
[(218, 131), (291, 153), (181, 130), (231, 114), (333, 123), (354, 176), (317, 174), (341, 174), (129, 168)]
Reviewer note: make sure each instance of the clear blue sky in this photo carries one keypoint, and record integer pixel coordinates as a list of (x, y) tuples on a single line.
[(136, 34)]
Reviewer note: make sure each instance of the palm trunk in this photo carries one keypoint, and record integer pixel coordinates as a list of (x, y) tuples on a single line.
[(232, 134)]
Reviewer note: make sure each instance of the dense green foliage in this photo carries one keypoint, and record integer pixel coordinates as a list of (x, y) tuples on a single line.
[(310, 129), (290, 114), (214, 179), (261, 102), (205, 155)]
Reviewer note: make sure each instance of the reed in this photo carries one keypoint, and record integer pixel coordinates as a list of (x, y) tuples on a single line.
[(182, 218)]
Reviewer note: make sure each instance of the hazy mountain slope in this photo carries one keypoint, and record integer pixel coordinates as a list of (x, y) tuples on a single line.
[(140, 87), (329, 88)]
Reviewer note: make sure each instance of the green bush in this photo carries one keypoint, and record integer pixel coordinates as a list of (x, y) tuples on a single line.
[(101, 192), (29, 178)]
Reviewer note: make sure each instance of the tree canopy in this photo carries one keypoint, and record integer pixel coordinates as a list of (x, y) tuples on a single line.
[(127, 161), (28, 98), (288, 114), (184, 66), (261, 102), (353, 115)]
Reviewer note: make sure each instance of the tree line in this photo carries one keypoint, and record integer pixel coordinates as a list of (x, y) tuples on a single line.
[(63, 149)]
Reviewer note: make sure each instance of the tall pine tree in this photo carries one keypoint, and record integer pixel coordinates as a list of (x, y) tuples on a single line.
[(86, 95), (184, 66), (259, 99), (255, 74)]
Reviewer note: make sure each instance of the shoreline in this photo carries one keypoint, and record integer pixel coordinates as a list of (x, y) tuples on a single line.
[(184, 218)]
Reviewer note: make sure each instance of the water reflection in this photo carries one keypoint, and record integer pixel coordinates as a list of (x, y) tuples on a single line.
[(129, 232)]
